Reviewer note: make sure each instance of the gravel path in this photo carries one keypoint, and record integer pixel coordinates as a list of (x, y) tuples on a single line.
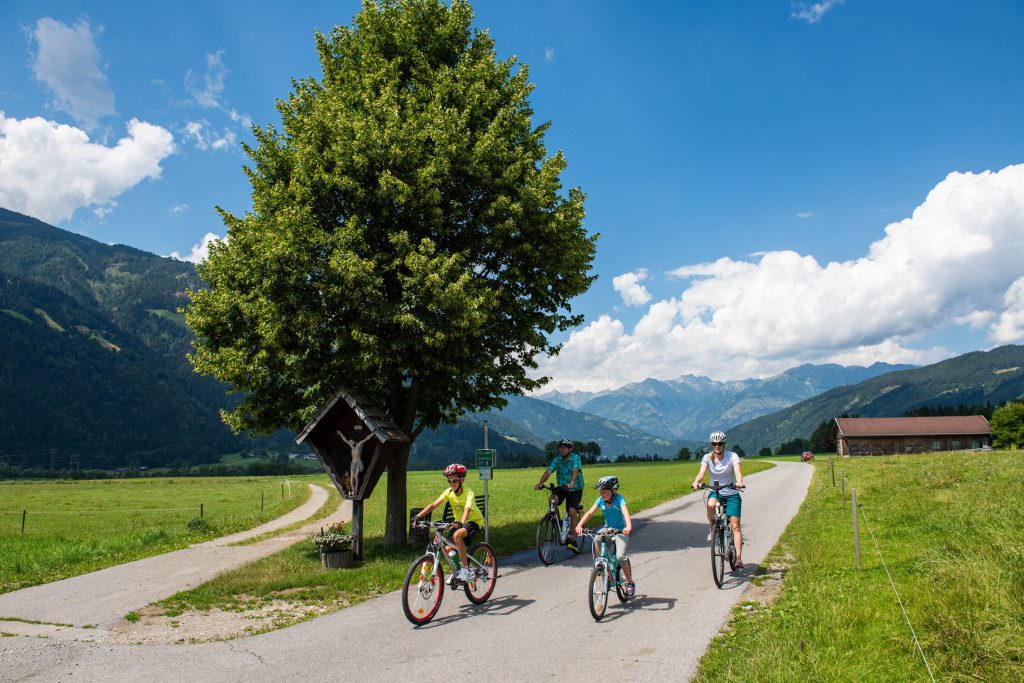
[(90, 605), (536, 626)]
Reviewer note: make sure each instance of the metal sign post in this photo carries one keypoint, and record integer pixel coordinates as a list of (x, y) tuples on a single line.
[(485, 458)]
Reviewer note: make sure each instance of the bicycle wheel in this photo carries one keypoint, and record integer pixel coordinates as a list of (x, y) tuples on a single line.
[(718, 555), (483, 565), (422, 590), (598, 592), (620, 585), (547, 540)]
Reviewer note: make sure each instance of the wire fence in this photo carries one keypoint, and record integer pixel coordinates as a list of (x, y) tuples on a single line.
[(858, 511)]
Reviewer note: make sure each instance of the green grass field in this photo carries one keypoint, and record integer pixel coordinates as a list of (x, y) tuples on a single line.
[(74, 527), (296, 576), (949, 528)]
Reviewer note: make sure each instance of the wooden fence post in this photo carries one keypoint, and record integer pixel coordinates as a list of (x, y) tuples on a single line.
[(843, 478), (24, 514), (200, 511), (261, 501), (832, 465), (856, 534), (282, 490)]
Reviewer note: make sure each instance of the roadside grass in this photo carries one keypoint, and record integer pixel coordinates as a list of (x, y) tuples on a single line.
[(949, 529), (294, 576), (74, 527)]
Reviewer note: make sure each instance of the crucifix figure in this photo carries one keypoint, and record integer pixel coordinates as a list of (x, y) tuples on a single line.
[(355, 470)]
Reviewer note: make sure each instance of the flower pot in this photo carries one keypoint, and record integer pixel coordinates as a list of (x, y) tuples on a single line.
[(337, 559)]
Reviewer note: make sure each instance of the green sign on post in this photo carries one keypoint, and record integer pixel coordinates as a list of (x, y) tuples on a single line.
[(484, 458)]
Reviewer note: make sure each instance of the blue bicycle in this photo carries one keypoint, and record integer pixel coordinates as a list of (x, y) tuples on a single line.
[(606, 574)]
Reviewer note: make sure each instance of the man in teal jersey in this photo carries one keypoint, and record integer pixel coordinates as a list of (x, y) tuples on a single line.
[(569, 471)]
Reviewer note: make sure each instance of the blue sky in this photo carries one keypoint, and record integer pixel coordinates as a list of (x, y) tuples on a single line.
[(774, 182)]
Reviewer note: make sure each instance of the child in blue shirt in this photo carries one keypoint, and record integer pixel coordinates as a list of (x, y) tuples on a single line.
[(616, 516)]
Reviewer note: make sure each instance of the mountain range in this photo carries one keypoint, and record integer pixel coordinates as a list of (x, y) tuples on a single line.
[(691, 407)]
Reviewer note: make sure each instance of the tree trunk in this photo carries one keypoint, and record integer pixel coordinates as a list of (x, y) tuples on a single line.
[(396, 524)]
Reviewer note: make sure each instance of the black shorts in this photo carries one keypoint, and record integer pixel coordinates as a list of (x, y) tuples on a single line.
[(472, 528), (570, 498)]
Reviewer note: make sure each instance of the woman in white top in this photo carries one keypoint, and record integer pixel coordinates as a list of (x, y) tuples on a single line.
[(723, 467)]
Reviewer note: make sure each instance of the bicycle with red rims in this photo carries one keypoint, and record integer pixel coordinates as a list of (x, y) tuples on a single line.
[(723, 545), (424, 583)]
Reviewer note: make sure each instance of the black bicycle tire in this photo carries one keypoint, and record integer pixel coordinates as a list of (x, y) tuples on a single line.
[(551, 524), (405, 589), (620, 587), (718, 556), (476, 599), (596, 574)]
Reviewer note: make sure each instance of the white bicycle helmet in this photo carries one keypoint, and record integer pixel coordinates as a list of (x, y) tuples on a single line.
[(717, 437)]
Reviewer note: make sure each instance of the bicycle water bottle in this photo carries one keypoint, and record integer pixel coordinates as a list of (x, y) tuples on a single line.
[(565, 528), (451, 555)]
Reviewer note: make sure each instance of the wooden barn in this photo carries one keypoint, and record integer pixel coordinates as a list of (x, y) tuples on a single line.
[(893, 435)]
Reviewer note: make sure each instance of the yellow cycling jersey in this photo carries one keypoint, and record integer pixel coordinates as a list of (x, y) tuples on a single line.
[(461, 502)]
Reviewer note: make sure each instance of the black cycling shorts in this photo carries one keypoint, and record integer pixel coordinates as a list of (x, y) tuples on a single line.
[(472, 528), (572, 498)]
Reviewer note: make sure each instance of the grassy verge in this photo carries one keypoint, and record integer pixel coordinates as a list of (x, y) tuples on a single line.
[(949, 529), (74, 527), (295, 576)]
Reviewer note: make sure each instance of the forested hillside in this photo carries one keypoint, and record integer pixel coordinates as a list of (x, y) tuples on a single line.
[(94, 372)]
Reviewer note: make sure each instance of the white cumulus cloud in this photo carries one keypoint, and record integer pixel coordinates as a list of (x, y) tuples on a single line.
[(199, 251), (48, 170), (549, 54), (68, 62), (813, 12), (955, 261), (628, 286)]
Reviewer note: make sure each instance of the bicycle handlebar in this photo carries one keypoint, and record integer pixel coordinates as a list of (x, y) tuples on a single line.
[(603, 531), (552, 487), (420, 524), (719, 487)]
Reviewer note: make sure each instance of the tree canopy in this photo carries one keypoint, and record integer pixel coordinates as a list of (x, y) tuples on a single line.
[(409, 237), (1008, 425)]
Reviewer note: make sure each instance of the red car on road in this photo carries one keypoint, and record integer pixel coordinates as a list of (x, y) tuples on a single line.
[(806, 455)]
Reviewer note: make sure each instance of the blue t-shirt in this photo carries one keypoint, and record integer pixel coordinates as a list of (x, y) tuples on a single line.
[(613, 516)]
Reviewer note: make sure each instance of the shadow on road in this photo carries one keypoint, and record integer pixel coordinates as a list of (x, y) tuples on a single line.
[(500, 607), (638, 603)]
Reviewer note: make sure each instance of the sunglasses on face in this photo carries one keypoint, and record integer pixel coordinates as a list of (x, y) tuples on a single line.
[(719, 445), (454, 480)]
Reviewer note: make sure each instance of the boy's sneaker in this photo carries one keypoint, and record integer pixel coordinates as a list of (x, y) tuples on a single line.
[(464, 575), (630, 589), (571, 545)]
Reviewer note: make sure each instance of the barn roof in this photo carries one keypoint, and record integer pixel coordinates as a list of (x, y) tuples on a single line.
[(913, 426)]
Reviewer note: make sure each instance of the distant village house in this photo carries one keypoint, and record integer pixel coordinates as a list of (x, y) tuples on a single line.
[(895, 435)]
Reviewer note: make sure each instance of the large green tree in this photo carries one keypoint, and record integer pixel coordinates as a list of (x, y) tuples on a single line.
[(409, 236), (1008, 425)]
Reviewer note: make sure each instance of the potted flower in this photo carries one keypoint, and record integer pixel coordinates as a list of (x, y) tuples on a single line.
[(335, 547)]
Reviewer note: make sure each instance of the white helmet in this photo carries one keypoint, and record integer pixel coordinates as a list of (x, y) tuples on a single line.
[(717, 437)]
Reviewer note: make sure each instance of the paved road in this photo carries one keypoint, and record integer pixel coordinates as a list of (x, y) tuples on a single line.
[(99, 600), (536, 626)]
